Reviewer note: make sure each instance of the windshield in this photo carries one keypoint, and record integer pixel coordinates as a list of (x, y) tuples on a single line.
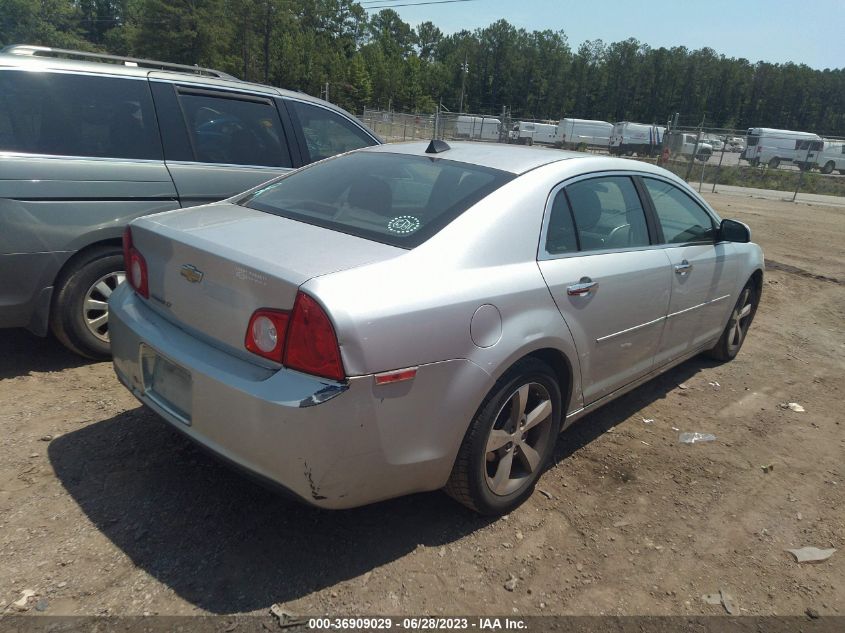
[(389, 198)]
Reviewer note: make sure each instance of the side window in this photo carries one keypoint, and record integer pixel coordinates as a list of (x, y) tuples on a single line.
[(680, 217), (607, 213), (560, 234), (234, 131), (77, 115), (328, 133)]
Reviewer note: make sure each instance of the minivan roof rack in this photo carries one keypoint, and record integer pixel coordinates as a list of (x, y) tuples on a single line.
[(46, 51)]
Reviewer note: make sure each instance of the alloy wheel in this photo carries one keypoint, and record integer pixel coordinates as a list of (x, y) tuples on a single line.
[(518, 440), (740, 320), (95, 307)]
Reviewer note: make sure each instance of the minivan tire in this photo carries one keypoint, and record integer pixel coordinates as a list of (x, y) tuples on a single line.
[(93, 276), (469, 482), (828, 167), (774, 163)]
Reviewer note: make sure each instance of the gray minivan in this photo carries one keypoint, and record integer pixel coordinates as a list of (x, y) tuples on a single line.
[(89, 142)]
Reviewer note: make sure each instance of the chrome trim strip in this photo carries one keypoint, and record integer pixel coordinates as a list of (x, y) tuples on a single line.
[(197, 163), (700, 305), (630, 329), (150, 161)]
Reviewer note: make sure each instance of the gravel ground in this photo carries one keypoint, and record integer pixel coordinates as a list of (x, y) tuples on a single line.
[(105, 510)]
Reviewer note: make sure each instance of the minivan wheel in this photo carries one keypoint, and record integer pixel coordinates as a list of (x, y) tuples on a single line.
[(80, 313), (738, 324), (828, 167), (509, 442), (774, 162)]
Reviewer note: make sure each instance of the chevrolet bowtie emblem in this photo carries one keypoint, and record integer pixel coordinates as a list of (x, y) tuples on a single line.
[(191, 273)]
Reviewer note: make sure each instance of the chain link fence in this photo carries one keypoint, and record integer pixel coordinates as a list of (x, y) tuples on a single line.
[(798, 166)]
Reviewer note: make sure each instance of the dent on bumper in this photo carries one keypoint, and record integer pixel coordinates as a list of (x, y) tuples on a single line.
[(335, 446)]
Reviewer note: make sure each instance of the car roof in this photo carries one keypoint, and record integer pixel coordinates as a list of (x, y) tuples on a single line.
[(222, 80), (516, 159)]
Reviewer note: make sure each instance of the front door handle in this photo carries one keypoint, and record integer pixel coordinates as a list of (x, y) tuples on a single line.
[(683, 268), (583, 287)]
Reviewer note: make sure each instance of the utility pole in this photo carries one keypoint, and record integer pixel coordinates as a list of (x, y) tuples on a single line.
[(465, 68), (327, 92)]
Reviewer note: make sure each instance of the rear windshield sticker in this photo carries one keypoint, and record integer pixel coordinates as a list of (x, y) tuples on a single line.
[(403, 224)]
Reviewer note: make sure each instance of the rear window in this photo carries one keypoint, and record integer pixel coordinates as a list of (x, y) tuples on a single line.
[(77, 115), (389, 198)]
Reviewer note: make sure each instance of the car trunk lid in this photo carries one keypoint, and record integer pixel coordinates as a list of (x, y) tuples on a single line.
[(211, 267)]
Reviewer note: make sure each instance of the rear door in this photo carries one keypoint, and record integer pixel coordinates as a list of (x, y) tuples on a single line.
[(219, 142), (703, 272), (609, 282)]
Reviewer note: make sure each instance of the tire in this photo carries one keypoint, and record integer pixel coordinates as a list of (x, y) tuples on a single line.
[(738, 324), (478, 480), (78, 325), (828, 167), (774, 162)]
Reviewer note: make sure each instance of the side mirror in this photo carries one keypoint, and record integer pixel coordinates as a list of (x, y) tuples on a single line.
[(734, 231)]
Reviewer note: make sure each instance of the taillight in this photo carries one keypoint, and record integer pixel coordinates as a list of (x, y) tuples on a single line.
[(311, 342), (303, 339), (265, 335), (136, 266)]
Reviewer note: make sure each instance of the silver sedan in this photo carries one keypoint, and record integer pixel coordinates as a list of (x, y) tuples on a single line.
[(412, 317)]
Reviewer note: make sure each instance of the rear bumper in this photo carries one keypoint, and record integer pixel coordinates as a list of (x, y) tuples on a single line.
[(332, 445)]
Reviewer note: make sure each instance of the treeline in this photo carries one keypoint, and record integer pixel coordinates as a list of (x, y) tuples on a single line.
[(381, 61)]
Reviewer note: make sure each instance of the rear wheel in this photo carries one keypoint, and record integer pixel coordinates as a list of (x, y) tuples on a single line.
[(509, 441), (80, 312), (737, 328), (828, 167), (774, 162)]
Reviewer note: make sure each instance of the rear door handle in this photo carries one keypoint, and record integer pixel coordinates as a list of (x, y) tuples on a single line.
[(583, 287), (683, 268)]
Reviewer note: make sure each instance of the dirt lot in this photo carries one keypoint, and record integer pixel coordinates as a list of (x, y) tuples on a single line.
[(105, 510)]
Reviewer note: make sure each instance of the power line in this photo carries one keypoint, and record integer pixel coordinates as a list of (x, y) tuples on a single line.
[(412, 4)]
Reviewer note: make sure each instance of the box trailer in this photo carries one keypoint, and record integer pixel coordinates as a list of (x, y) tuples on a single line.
[(769, 146), (477, 127), (528, 133), (641, 139), (574, 133)]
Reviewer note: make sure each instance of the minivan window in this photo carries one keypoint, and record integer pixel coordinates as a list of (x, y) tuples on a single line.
[(77, 115), (681, 219), (327, 133), (394, 199), (233, 131), (608, 213)]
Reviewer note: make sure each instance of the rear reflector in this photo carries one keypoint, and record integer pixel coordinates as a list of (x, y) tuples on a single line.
[(400, 375)]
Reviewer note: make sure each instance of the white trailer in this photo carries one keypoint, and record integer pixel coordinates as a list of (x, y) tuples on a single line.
[(769, 146), (573, 133), (477, 127), (528, 133), (641, 139)]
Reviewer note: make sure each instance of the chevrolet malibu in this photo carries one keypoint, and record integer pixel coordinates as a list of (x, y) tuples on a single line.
[(405, 318)]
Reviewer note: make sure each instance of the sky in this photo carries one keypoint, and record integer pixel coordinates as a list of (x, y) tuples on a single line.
[(808, 32)]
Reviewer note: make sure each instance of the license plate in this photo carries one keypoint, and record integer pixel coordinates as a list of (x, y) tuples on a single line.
[(167, 384)]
